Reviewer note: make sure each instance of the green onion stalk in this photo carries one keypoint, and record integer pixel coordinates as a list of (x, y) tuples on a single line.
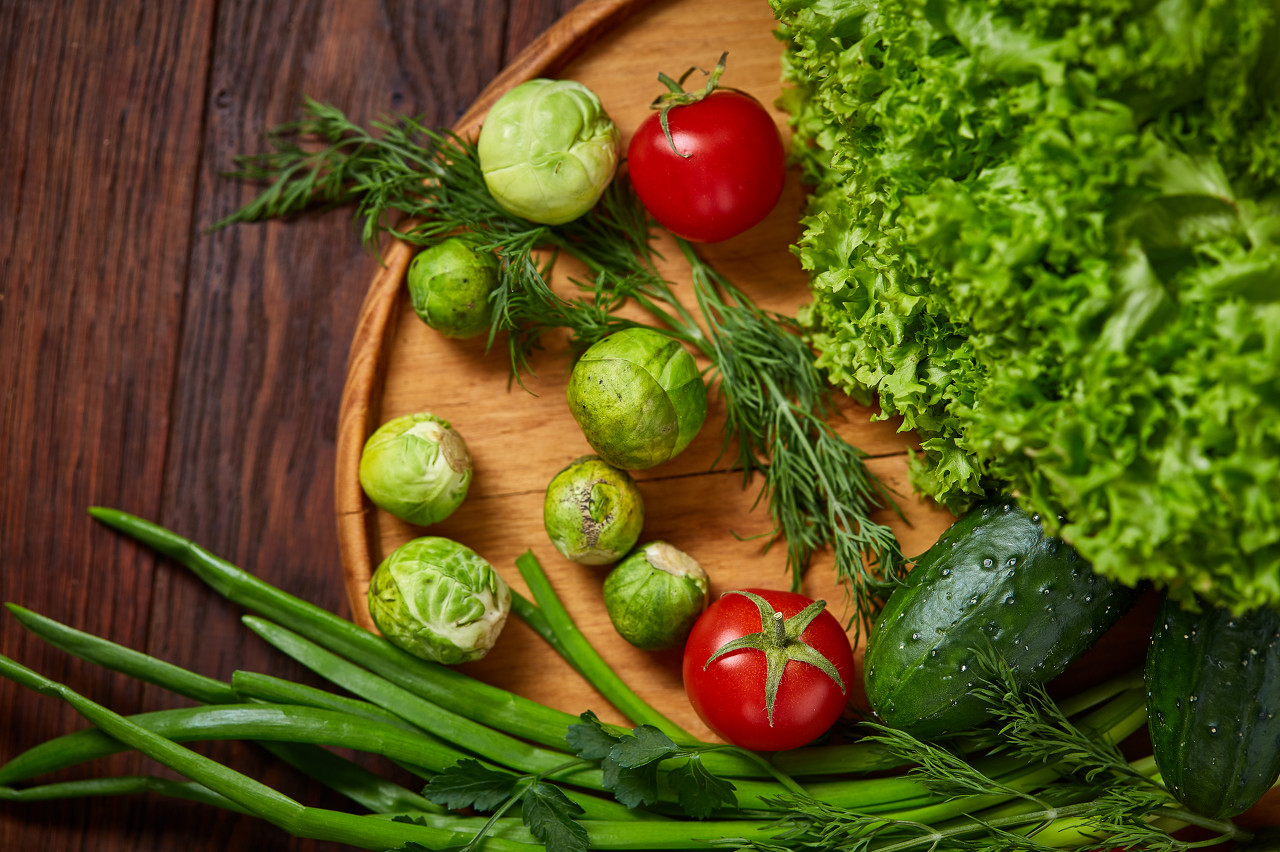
[(511, 774)]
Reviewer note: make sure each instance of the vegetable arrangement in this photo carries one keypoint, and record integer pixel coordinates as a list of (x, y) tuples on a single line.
[(816, 486), (966, 750), (1050, 777)]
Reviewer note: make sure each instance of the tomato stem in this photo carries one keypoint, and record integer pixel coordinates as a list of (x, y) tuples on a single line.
[(677, 96)]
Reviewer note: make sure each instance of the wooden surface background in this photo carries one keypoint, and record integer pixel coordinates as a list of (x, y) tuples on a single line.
[(190, 378)]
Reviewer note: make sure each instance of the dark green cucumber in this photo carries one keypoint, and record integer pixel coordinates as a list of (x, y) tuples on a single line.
[(993, 581), (1213, 704)]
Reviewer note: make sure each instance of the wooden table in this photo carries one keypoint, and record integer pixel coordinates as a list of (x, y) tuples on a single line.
[(188, 377), (193, 378)]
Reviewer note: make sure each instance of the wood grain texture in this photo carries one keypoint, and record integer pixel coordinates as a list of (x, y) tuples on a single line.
[(189, 377)]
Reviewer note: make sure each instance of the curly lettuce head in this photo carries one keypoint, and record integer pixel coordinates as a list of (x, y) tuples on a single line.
[(1046, 235)]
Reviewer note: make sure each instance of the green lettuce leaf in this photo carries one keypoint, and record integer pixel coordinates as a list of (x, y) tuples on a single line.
[(1046, 235)]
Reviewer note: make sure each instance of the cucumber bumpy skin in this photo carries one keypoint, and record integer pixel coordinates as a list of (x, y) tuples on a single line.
[(1213, 701), (993, 581)]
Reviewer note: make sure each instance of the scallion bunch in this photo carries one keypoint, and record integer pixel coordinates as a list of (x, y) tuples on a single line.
[(1045, 776)]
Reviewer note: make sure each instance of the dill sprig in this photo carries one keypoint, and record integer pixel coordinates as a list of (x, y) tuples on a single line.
[(421, 186), (351, 165), (1030, 724), (939, 768), (777, 402), (1002, 799)]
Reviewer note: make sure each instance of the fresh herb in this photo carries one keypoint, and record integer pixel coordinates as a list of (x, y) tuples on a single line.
[(550, 816), (630, 763), (817, 485), (818, 489)]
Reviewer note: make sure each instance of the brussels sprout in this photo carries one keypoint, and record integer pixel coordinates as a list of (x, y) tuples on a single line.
[(548, 150), (449, 287), (638, 397), (655, 595), (593, 512), (416, 467), (439, 600)]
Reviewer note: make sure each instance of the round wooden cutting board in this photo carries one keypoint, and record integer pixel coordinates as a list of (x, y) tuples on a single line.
[(520, 438)]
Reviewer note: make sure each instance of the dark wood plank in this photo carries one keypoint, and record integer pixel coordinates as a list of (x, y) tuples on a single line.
[(189, 377), (99, 180)]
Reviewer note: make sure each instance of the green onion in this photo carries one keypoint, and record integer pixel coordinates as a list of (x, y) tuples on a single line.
[(574, 647), (256, 721), (440, 723), (121, 659), (128, 785), (250, 795), (490, 705), (339, 774)]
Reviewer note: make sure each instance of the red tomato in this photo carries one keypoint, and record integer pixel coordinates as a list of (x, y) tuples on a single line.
[(730, 693), (731, 178)]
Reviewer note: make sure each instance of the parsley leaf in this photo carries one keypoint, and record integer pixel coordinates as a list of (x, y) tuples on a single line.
[(646, 744), (699, 791), (633, 786), (590, 740), (549, 815), (630, 764), (468, 783)]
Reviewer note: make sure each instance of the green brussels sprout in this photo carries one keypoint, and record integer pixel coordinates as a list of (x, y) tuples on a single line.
[(449, 287), (439, 600), (654, 596), (416, 467), (548, 150), (593, 512), (638, 397)]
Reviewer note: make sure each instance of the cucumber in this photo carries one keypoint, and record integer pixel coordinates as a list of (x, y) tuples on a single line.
[(994, 581), (1213, 705)]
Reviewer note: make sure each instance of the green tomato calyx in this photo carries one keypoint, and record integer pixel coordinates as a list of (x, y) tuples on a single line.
[(677, 96), (779, 640)]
